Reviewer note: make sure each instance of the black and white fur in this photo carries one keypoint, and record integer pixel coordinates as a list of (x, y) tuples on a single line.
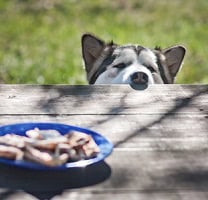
[(109, 63)]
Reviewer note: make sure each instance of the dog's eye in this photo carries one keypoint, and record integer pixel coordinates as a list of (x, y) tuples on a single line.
[(152, 70), (120, 66)]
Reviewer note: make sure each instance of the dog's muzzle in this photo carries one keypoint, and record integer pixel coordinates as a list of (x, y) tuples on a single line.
[(140, 78)]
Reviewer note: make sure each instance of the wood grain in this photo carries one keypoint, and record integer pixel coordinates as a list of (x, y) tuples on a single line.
[(143, 132), (97, 100), (160, 137)]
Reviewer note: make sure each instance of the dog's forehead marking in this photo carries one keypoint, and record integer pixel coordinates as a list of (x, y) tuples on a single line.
[(143, 56), (147, 57), (125, 52)]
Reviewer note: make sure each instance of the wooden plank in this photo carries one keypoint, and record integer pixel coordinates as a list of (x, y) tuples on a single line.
[(134, 195), (137, 132), (135, 173), (159, 170), (121, 99), (160, 137), (111, 194), (108, 194), (156, 171)]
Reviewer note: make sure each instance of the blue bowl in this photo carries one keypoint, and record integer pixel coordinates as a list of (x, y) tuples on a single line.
[(104, 145)]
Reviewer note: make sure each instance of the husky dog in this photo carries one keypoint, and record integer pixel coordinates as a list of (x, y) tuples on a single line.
[(109, 63)]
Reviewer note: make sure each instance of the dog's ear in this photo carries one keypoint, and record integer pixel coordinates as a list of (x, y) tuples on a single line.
[(91, 50), (174, 57)]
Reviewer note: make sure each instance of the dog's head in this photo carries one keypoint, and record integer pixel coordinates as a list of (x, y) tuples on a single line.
[(109, 63)]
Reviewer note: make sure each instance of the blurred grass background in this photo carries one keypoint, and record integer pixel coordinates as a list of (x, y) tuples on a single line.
[(40, 39)]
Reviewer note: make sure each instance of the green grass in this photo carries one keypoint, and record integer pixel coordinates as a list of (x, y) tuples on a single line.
[(40, 43)]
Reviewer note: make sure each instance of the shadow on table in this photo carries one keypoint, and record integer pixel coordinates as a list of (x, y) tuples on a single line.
[(46, 184), (179, 104)]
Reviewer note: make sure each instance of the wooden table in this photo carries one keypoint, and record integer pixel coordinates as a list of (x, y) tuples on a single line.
[(160, 136)]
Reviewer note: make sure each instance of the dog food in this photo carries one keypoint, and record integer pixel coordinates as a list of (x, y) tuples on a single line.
[(48, 147)]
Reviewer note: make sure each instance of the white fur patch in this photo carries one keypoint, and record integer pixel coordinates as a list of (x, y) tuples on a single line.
[(147, 57), (134, 63)]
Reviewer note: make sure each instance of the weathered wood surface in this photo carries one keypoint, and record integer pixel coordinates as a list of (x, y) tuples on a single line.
[(160, 136), (99, 100)]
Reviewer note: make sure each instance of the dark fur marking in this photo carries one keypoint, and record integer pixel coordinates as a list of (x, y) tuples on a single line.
[(162, 70), (109, 59)]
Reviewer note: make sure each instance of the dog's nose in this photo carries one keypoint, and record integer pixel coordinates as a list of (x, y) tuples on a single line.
[(139, 78)]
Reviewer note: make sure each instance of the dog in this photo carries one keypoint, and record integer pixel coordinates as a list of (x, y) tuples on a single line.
[(109, 63)]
